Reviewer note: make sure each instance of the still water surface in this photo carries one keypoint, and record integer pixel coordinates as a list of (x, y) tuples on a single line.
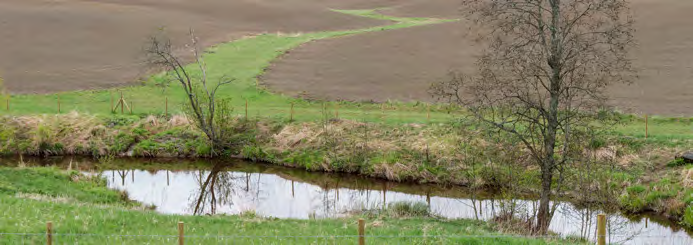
[(206, 189)]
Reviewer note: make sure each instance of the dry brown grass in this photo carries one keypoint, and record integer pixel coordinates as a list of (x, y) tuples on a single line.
[(687, 178)]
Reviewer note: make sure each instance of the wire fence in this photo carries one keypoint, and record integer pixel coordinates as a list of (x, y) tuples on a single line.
[(121, 104), (58, 238), (639, 125), (360, 236)]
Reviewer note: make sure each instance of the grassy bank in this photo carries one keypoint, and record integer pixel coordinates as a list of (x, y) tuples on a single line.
[(77, 204), (630, 173)]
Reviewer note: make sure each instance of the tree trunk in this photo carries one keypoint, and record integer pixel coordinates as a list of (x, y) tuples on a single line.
[(544, 214), (549, 163)]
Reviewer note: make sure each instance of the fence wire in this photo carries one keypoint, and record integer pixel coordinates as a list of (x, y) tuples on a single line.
[(58, 238)]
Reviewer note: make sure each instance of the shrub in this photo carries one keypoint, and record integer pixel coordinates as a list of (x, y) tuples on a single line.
[(408, 209)]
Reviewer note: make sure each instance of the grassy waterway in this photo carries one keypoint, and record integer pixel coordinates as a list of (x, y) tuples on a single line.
[(240, 188)]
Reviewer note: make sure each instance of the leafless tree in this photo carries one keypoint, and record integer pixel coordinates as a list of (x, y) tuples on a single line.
[(209, 114), (542, 77)]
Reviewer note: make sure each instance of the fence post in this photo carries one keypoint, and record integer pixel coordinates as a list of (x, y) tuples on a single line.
[(49, 233), (246, 109), (428, 113), (382, 112), (181, 234), (362, 232), (8, 103), (58, 103), (122, 105), (112, 109), (336, 111), (166, 111), (646, 126), (601, 229), (291, 118)]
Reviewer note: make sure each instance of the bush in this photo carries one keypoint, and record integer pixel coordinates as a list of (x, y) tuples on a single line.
[(408, 209)]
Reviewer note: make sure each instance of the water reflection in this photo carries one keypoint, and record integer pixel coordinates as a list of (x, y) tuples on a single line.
[(287, 193), (232, 191)]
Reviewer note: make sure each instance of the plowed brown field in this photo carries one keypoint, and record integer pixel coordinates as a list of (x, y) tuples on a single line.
[(400, 64), (49, 45)]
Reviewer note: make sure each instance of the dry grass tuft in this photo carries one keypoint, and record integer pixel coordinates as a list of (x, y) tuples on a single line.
[(687, 178), (179, 121)]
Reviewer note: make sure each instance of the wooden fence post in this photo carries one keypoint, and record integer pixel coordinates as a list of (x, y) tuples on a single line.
[(122, 105), (601, 229), (112, 109), (58, 103), (291, 118), (646, 126), (181, 233), (336, 111), (166, 111), (362, 232), (49, 233)]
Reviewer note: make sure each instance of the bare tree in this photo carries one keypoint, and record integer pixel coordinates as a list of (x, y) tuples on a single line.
[(542, 77), (210, 115)]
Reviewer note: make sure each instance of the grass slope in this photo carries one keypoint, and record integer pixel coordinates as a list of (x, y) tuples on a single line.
[(81, 205)]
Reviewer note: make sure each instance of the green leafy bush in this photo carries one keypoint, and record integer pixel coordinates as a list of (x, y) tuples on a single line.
[(408, 209)]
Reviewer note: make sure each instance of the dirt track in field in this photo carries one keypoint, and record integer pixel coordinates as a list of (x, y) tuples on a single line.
[(400, 64), (49, 46)]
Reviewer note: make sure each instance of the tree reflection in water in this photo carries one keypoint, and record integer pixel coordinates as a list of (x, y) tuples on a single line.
[(214, 189), (218, 187)]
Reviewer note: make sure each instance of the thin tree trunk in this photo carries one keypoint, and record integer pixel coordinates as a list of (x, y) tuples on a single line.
[(544, 216)]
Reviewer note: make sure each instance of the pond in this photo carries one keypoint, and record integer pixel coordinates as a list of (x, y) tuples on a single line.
[(205, 188)]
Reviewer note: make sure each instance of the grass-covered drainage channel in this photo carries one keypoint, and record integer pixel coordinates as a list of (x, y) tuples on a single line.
[(211, 188)]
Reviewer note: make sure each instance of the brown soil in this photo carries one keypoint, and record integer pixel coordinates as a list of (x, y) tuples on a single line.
[(400, 64), (664, 58), (377, 66), (449, 9), (50, 46)]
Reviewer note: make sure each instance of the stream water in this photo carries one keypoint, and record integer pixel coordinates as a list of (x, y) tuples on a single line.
[(203, 188)]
